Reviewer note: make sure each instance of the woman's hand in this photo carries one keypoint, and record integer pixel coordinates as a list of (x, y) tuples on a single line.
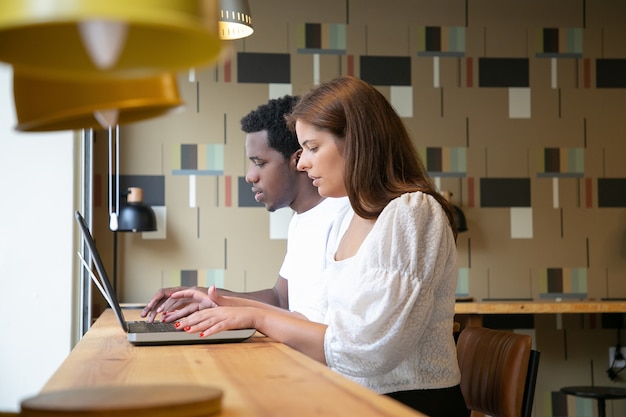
[(214, 320), (219, 313), (215, 313)]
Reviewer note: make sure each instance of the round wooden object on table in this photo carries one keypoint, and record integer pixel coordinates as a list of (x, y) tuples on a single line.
[(600, 393), (123, 401)]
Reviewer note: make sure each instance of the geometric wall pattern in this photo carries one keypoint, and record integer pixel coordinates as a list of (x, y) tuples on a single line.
[(611, 192), (611, 73), (263, 68), (321, 38), (517, 108), (505, 192), (561, 162), (198, 159), (564, 283), (444, 161), (192, 278), (559, 43), (504, 72), (386, 70), (441, 41)]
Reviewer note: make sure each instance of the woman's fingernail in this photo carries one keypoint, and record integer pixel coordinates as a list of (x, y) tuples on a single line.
[(202, 334), (177, 324), (187, 328)]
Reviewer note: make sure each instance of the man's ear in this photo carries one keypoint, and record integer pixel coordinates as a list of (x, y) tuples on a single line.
[(296, 156)]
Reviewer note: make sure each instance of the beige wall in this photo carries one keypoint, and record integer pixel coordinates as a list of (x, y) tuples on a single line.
[(215, 236)]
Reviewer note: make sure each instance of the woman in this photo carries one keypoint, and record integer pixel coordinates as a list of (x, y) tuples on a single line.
[(392, 268)]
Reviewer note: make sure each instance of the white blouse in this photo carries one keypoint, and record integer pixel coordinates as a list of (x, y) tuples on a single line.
[(390, 307)]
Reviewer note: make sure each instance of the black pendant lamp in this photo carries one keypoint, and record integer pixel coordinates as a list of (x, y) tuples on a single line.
[(234, 19), (136, 216)]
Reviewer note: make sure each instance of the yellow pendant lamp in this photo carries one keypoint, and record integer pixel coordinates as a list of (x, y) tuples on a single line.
[(45, 104), (108, 38)]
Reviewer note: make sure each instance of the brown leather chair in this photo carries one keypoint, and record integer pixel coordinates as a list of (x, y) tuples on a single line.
[(498, 371)]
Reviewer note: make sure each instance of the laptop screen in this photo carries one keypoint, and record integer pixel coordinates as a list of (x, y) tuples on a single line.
[(103, 283)]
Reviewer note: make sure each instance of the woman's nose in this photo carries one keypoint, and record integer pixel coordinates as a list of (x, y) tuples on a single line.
[(302, 164)]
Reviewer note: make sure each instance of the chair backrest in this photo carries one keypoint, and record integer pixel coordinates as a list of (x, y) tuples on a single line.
[(498, 371)]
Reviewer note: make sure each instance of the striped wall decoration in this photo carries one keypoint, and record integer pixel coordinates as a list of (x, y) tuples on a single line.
[(350, 64), (588, 193), (559, 43), (441, 41), (198, 159), (445, 161), (321, 38), (195, 277), (563, 283), (462, 283), (561, 162), (228, 191)]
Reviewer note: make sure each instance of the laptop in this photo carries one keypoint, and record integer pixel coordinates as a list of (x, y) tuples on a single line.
[(141, 332)]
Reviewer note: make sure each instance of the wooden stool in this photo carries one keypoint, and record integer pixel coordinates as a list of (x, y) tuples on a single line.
[(126, 401), (599, 393)]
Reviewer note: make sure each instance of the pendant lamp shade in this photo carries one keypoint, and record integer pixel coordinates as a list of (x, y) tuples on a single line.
[(235, 21), (108, 38), (136, 216), (45, 104)]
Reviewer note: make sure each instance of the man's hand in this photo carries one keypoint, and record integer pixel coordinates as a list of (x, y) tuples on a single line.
[(169, 308)]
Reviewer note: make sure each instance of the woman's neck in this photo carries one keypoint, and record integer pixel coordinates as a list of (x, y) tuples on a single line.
[(355, 234)]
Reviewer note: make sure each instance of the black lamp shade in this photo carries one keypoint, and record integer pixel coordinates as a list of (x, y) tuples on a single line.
[(136, 217)]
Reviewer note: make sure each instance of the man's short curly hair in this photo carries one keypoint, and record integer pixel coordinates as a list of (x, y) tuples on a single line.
[(271, 117)]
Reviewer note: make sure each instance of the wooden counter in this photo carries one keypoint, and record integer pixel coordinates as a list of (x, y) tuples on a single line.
[(470, 313), (539, 307), (259, 377)]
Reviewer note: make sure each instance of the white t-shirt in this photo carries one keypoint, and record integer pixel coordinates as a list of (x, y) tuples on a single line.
[(306, 256), (391, 306)]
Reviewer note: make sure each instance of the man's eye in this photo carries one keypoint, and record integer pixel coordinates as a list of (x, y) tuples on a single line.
[(259, 164)]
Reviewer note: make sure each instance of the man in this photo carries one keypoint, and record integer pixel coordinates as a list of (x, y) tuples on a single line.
[(274, 151)]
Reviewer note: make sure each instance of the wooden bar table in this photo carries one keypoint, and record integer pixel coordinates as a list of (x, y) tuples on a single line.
[(259, 377), (471, 313)]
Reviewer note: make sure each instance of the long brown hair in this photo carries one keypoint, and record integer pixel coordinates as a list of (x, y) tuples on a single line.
[(381, 162)]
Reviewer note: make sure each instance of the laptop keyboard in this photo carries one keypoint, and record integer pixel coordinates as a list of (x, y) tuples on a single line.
[(154, 327)]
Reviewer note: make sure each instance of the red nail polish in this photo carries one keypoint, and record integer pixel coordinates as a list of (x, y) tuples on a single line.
[(202, 334), (187, 328), (177, 324)]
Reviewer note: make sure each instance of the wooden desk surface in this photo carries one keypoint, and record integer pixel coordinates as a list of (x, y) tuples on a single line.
[(539, 307), (259, 377)]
